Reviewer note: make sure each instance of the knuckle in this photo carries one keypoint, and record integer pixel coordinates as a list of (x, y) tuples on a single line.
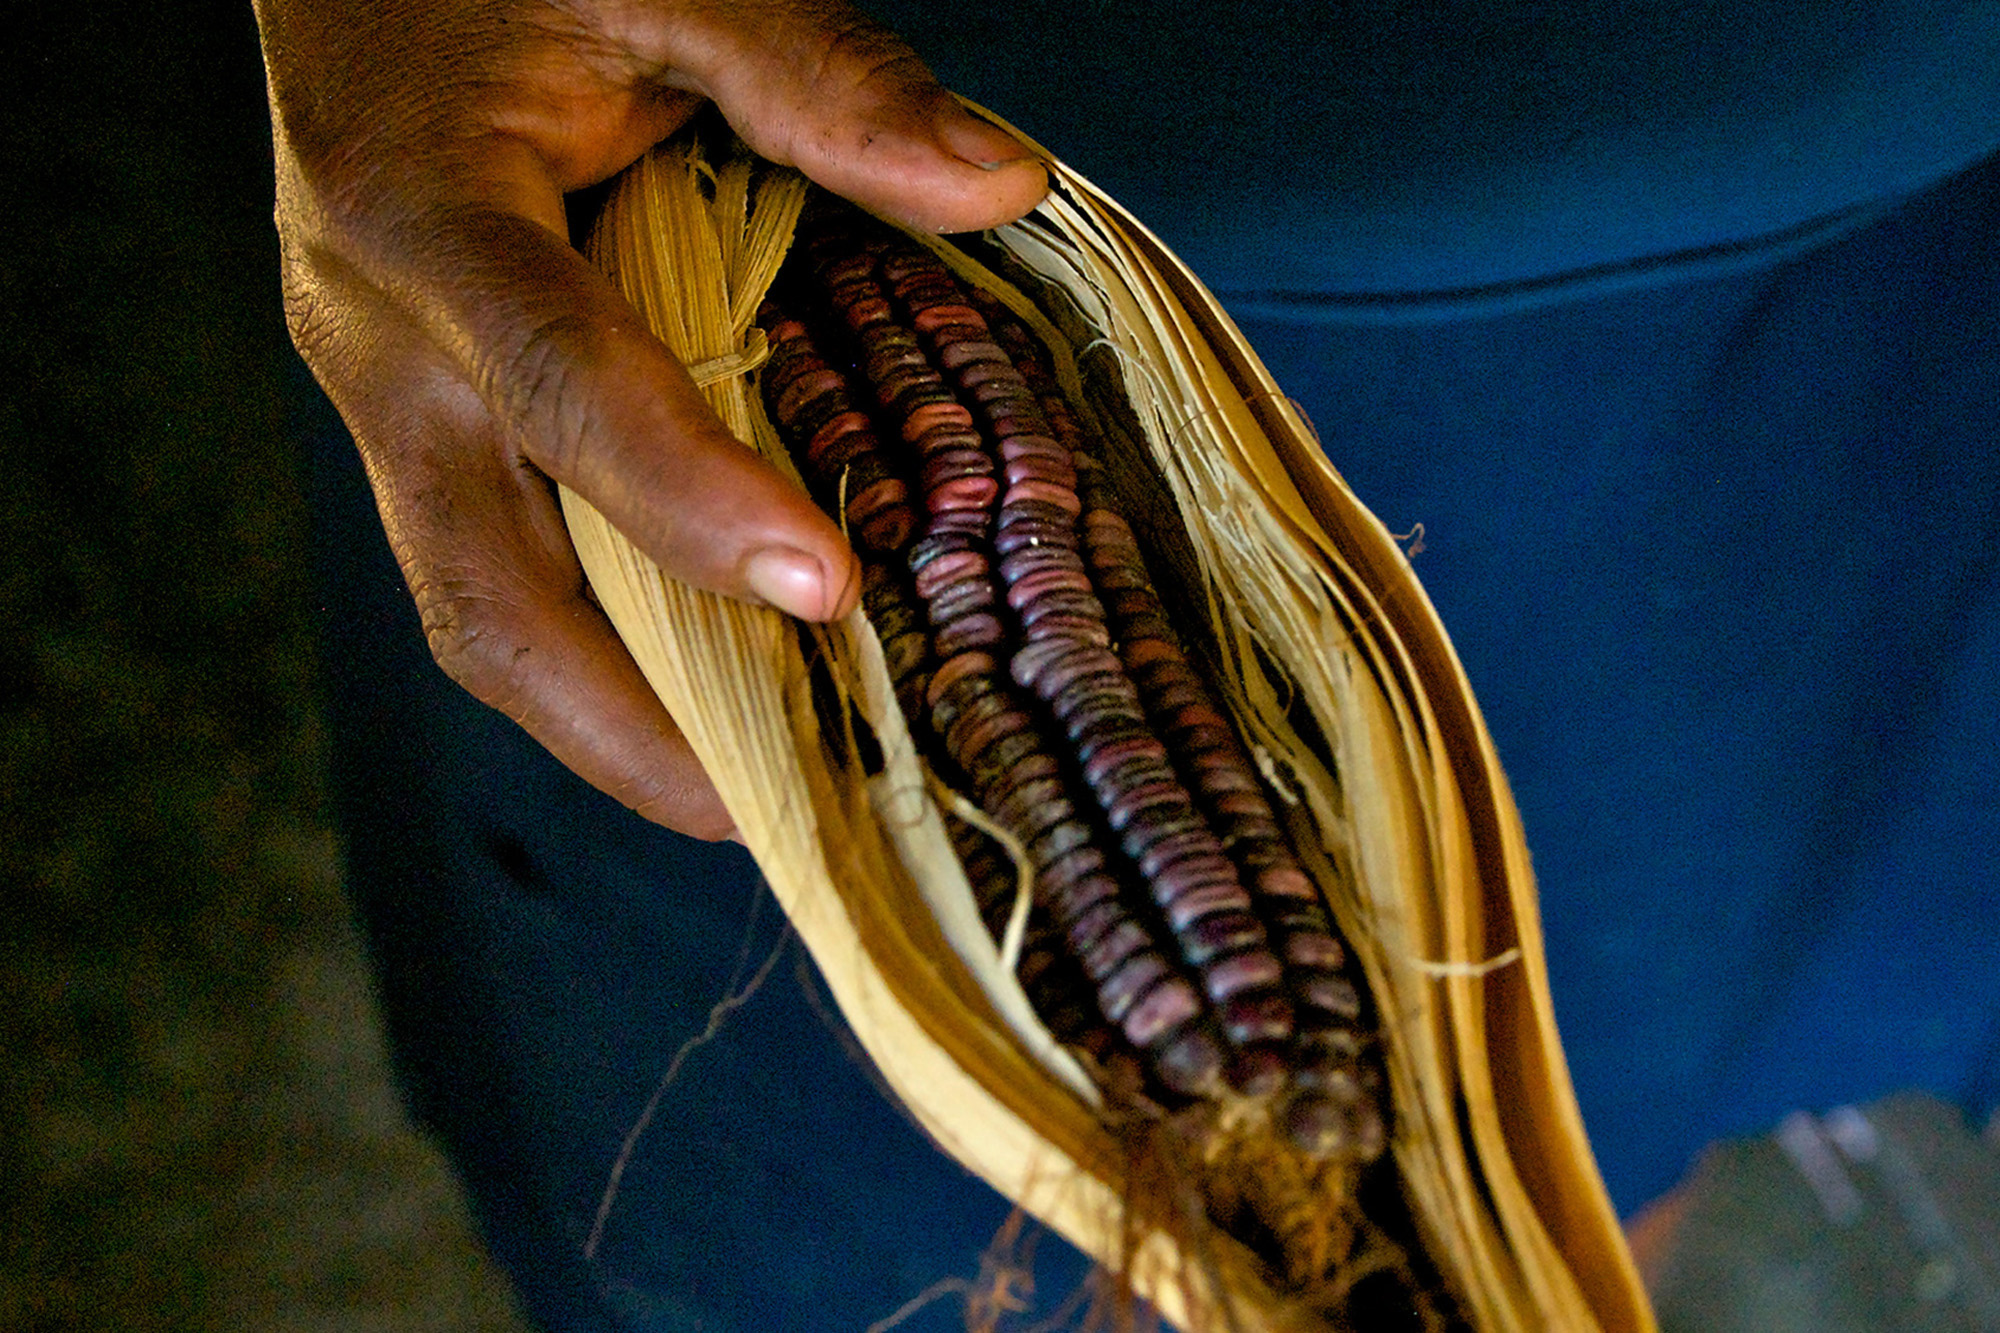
[(540, 386), (864, 62), (309, 315), (473, 637), (322, 297), (856, 46)]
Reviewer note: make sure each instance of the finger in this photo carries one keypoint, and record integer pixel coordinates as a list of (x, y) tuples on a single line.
[(815, 84), (488, 560), (584, 392)]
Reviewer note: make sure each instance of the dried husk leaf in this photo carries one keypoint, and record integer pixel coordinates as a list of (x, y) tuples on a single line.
[(1338, 671)]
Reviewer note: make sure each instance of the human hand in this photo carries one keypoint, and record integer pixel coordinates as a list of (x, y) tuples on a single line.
[(423, 149)]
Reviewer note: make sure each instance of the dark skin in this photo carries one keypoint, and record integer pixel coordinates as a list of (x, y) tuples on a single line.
[(424, 149)]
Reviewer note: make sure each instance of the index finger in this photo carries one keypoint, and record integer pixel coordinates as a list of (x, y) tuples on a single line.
[(590, 397)]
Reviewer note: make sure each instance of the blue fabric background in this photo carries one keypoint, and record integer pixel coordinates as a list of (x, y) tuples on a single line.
[(1375, 150), (1719, 557)]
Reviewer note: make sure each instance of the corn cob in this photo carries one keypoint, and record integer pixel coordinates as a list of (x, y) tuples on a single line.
[(1486, 1211), (1028, 644)]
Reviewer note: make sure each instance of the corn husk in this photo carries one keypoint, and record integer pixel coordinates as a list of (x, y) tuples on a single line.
[(1338, 671)]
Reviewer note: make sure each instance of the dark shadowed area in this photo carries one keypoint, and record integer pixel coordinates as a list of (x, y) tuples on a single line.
[(200, 1129)]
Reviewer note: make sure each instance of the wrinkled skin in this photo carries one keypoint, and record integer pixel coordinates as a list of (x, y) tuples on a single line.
[(424, 148)]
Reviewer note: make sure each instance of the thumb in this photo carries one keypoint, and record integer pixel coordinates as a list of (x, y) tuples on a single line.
[(817, 85)]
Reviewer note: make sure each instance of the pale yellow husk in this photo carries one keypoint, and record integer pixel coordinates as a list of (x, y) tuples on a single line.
[(1407, 820)]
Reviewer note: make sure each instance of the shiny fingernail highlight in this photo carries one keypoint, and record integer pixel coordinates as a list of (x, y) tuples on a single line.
[(984, 146), (789, 579)]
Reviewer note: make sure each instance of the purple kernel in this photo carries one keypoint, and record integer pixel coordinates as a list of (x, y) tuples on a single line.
[(953, 355), (858, 449), (1199, 863), (1026, 444), (963, 493), (1330, 995), (1164, 852), (1189, 1061), (1065, 872), (1022, 591), (1112, 731), (1073, 625), (1087, 892), (979, 630), (894, 383), (1286, 881), (1109, 522), (1324, 1045), (847, 268), (1072, 663), (1026, 536), (948, 567), (842, 423), (945, 436), (888, 531), (955, 669), (1043, 492), (1199, 737), (1064, 602), (1112, 948), (1134, 802), (1014, 415), (1033, 660), (1160, 822), (1049, 471), (805, 388), (886, 359), (957, 600), (1248, 804), (1259, 1070), (1090, 923), (981, 373), (1317, 1126), (1222, 933), (1256, 1018), (875, 497), (937, 544), (961, 703), (1058, 840), (1106, 759), (1249, 970), (951, 464), (1034, 807), (1118, 991), (1311, 948), (1026, 510), (1129, 580), (975, 523), (1222, 777), (973, 732), (1165, 1007), (946, 315), (1018, 564), (1113, 718), (1196, 903), (867, 311), (1029, 766)]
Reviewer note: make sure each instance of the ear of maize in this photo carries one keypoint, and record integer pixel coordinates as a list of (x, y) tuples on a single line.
[(1373, 797)]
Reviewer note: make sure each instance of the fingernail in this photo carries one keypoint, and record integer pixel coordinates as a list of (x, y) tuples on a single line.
[(789, 579), (985, 146)]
